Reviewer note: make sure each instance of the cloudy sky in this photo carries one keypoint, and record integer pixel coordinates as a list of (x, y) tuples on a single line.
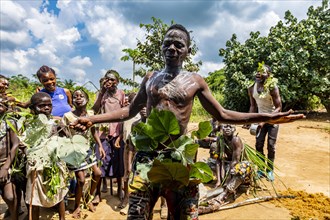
[(83, 39)]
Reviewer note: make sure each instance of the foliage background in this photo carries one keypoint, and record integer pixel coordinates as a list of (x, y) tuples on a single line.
[(298, 53)]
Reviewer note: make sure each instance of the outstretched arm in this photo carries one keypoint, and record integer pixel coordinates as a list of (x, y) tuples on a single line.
[(223, 115), (121, 114)]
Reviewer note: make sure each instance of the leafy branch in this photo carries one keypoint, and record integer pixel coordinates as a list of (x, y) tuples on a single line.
[(174, 165)]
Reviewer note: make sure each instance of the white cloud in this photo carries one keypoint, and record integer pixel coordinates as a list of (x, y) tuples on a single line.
[(80, 61), (12, 15), (86, 31), (209, 67), (19, 38), (68, 37)]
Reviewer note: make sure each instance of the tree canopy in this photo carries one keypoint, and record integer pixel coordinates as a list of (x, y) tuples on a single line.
[(298, 53), (148, 53)]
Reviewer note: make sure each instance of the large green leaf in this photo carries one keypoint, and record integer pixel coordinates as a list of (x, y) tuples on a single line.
[(38, 130), (141, 138), (186, 147), (168, 173), (164, 124), (71, 150), (204, 129), (201, 171)]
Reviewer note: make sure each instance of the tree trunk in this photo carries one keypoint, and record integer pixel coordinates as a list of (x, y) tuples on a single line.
[(326, 103)]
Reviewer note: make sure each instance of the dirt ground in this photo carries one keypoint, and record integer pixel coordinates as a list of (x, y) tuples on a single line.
[(303, 161)]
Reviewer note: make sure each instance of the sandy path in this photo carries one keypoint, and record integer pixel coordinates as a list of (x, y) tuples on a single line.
[(303, 159)]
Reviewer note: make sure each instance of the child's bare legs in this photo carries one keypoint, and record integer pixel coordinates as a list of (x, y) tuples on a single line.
[(61, 210), (80, 176), (104, 185), (119, 189), (94, 183), (97, 197), (9, 195), (35, 212), (124, 202)]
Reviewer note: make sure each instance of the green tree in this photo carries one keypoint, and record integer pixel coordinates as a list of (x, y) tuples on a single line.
[(22, 87), (298, 52), (68, 84), (148, 53)]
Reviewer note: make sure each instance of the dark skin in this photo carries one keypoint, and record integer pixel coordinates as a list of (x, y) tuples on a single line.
[(48, 80), (44, 106), (130, 156), (80, 102), (174, 89), (235, 144), (233, 152), (8, 191), (261, 77), (109, 85), (4, 85)]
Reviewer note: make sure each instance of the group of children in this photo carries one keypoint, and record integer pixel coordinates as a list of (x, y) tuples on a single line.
[(35, 185)]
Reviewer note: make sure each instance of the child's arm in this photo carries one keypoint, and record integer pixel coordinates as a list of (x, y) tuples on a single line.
[(98, 141), (14, 142), (131, 152)]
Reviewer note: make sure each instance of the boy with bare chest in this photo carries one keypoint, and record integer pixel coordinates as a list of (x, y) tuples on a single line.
[(8, 146)]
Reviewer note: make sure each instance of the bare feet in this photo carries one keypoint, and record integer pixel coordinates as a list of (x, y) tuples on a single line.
[(123, 203), (96, 200), (91, 207), (77, 213)]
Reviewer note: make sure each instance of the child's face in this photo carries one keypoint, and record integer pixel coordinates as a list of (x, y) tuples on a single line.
[(79, 99), (44, 106), (4, 84)]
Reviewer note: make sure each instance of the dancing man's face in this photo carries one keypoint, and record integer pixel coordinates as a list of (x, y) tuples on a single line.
[(175, 47)]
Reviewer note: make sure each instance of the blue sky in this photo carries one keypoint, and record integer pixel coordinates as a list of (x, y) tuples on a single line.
[(83, 39)]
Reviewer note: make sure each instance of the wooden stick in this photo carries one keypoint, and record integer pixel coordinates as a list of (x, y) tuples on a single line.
[(219, 207), (32, 191)]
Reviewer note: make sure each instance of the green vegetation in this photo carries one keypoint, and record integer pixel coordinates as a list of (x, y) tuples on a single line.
[(149, 55), (174, 166), (298, 53)]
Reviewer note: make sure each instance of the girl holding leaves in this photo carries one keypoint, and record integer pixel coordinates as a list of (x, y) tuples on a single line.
[(80, 101)]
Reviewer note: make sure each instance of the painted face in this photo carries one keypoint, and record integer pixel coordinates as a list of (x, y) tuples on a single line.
[(175, 47), (4, 84), (48, 80), (79, 99), (43, 106), (110, 82), (262, 76), (228, 130)]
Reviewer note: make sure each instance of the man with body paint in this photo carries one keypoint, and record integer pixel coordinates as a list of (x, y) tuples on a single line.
[(174, 89)]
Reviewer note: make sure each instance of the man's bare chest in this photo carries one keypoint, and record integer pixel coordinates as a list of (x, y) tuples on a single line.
[(178, 90)]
